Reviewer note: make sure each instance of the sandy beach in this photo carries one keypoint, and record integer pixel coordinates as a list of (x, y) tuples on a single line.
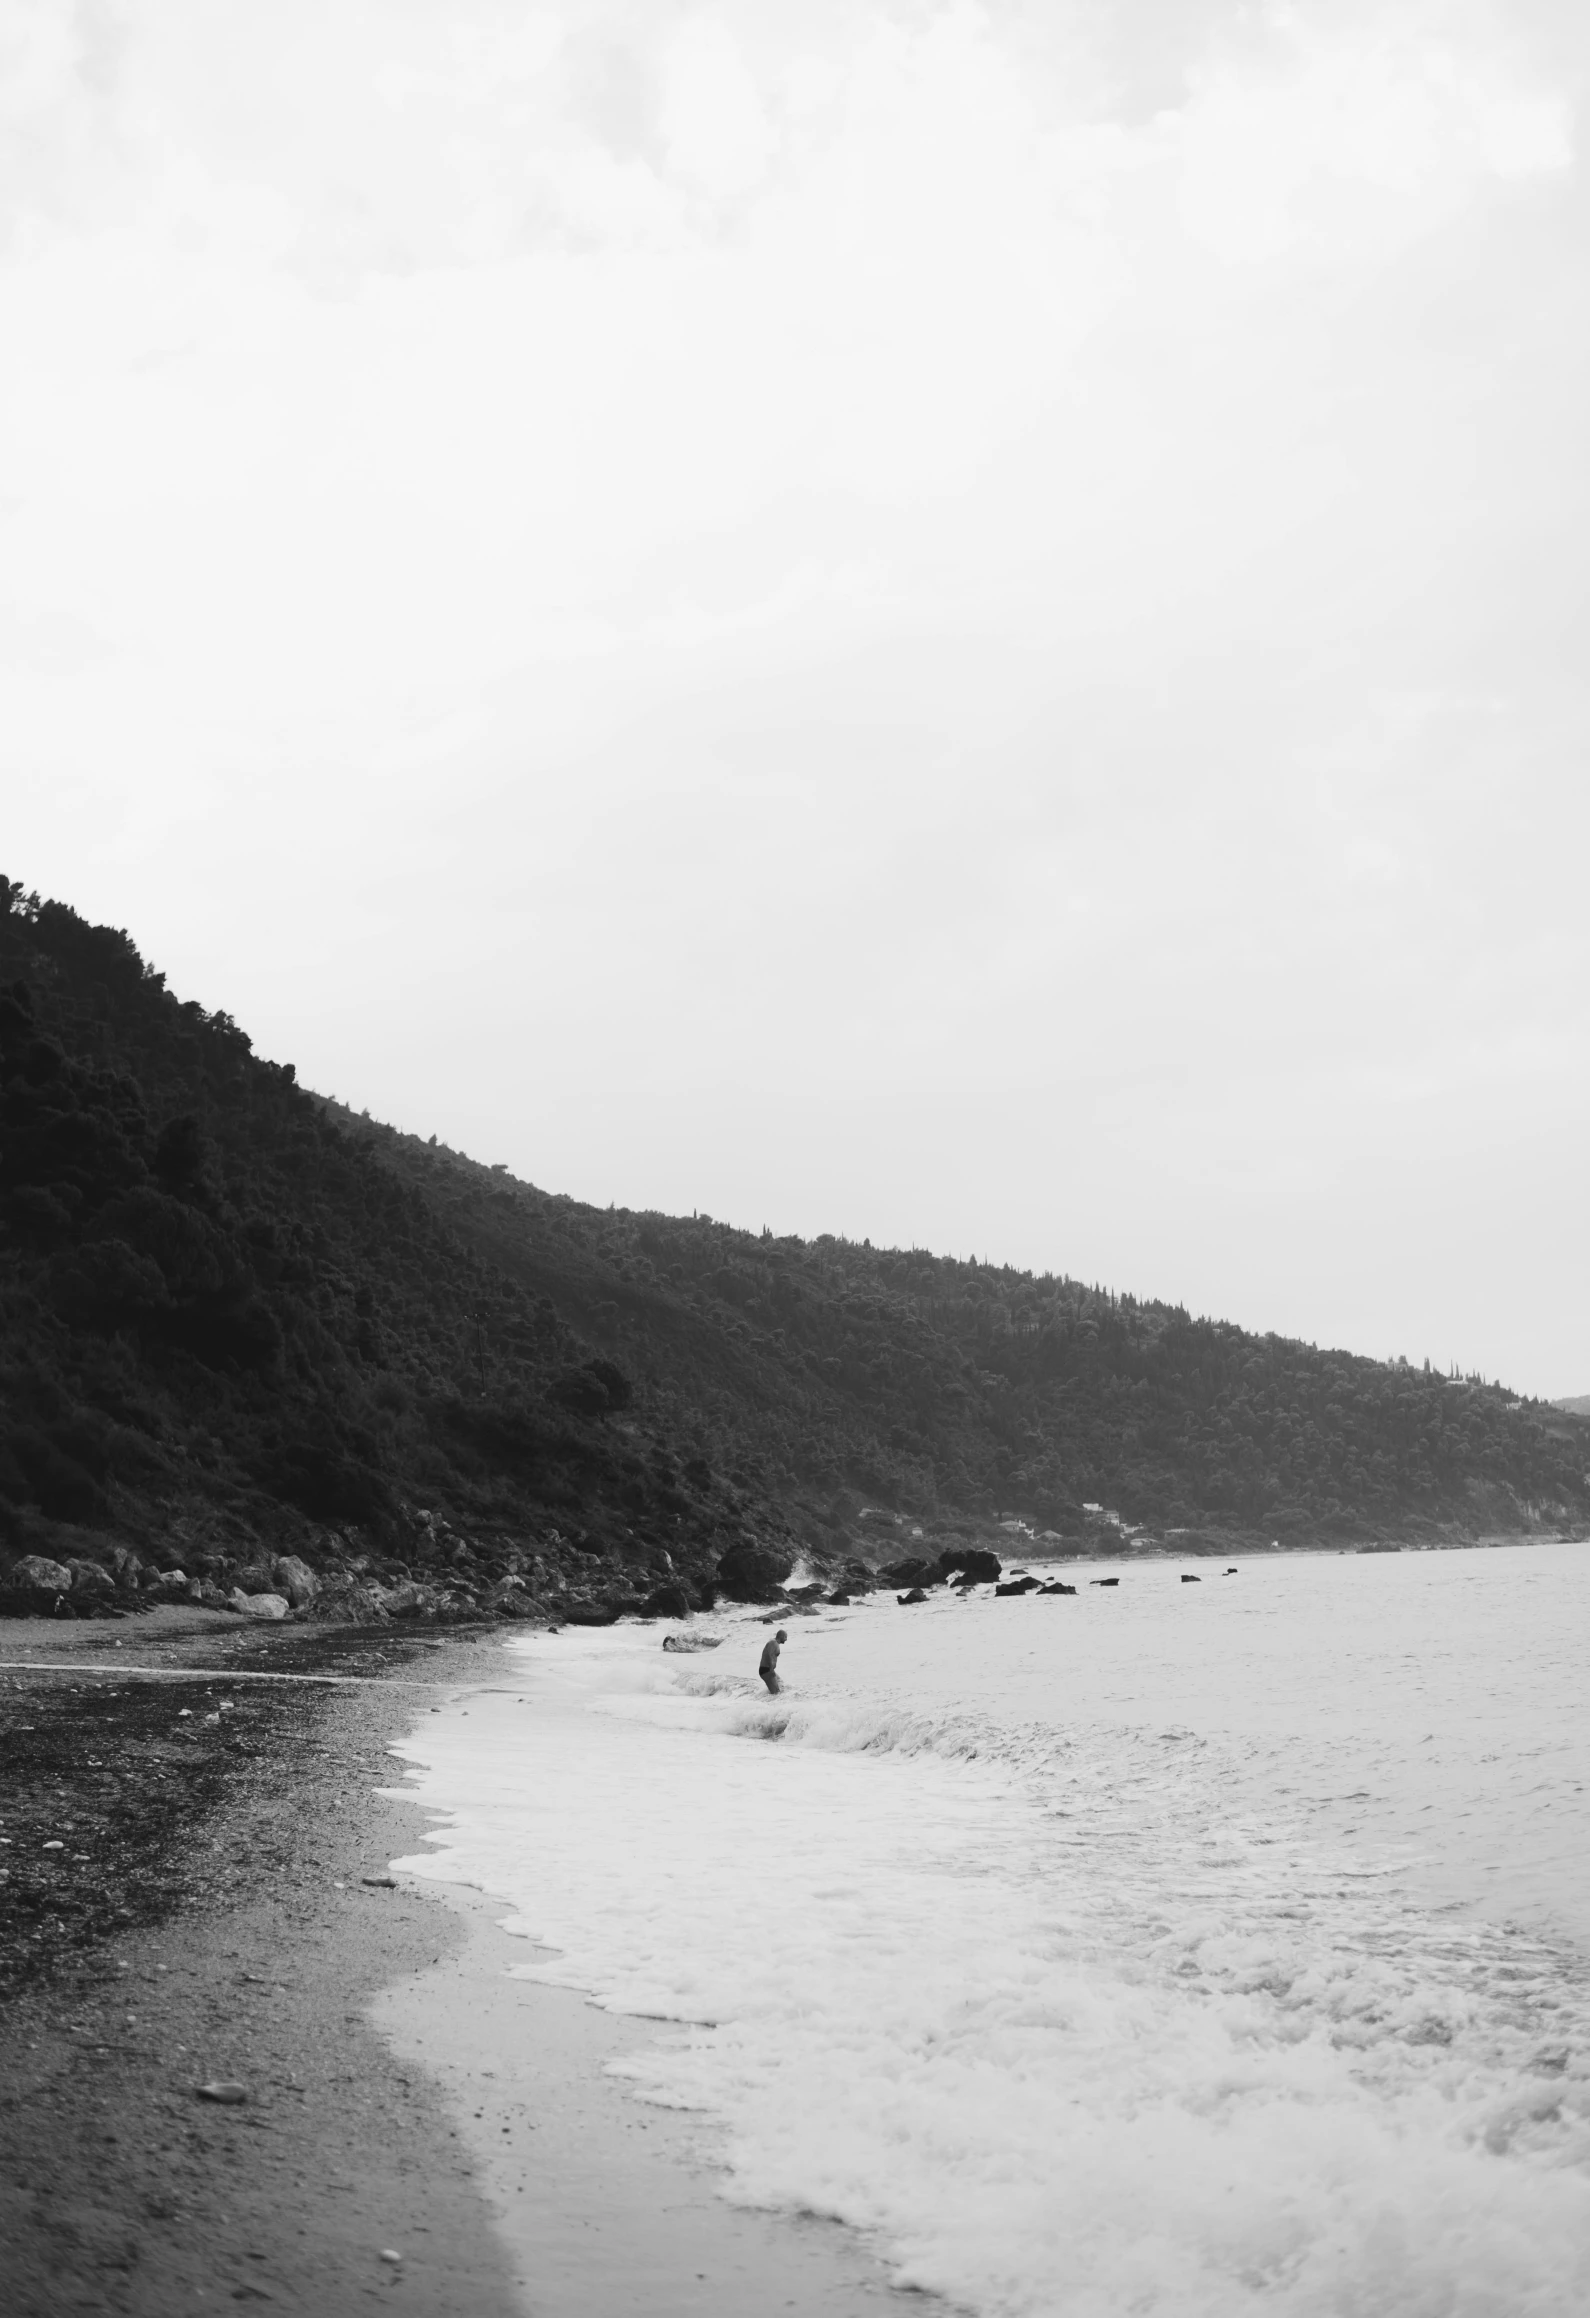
[(416, 2126)]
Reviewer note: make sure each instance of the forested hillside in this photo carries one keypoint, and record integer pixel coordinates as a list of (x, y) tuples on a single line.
[(826, 1371), (233, 1317)]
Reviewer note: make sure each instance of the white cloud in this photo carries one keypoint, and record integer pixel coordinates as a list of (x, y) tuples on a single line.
[(714, 124), (858, 543)]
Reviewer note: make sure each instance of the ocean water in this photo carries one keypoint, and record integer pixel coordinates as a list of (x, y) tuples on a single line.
[(1170, 1949)]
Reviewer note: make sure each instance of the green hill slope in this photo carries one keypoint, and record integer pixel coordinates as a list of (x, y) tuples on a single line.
[(236, 1320)]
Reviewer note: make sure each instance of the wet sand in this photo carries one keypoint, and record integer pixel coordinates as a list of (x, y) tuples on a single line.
[(406, 2097)]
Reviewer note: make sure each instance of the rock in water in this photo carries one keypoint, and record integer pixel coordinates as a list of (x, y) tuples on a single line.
[(692, 1642), (976, 1565), (749, 1572), (668, 1601)]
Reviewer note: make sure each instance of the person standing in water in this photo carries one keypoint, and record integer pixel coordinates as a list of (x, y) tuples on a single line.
[(768, 1669)]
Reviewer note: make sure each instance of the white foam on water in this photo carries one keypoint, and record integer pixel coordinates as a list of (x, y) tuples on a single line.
[(1138, 1953)]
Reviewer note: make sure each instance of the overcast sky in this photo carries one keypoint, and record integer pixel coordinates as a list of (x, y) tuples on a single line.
[(960, 625)]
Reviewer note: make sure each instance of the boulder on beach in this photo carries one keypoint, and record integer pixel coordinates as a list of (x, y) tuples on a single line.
[(257, 1605), (915, 1595), (91, 1582), (166, 1585), (403, 1600), (975, 1566), (913, 1571), (295, 1579), (749, 1572), (668, 1601), (36, 1587), (1018, 1586)]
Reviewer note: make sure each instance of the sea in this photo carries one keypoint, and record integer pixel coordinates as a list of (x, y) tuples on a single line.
[(1165, 1950)]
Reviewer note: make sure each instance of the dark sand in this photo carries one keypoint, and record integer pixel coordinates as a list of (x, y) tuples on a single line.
[(406, 2097)]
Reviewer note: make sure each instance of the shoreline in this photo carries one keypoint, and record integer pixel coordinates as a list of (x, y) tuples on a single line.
[(232, 1916), (608, 2204)]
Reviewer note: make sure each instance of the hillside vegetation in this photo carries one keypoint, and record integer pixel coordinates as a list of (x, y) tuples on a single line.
[(236, 1320)]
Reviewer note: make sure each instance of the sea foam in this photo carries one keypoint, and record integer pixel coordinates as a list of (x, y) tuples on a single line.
[(1079, 2016)]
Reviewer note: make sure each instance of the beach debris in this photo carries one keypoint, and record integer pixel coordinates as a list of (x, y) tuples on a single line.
[(225, 2091), (380, 1882), (677, 1642)]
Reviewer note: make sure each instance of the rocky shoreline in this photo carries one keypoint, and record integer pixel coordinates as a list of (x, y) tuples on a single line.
[(195, 1894)]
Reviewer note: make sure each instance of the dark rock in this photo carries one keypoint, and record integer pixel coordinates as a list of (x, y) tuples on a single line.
[(913, 1571), (669, 1601), (1104, 1581), (1190, 1581), (1018, 1586), (36, 1587), (840, 1600), (1057, 1589), (749, 1572), (915, 1595), (976, 1566), (166, 1585), (588, 1613), (404, 1600), (91, 1582)]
